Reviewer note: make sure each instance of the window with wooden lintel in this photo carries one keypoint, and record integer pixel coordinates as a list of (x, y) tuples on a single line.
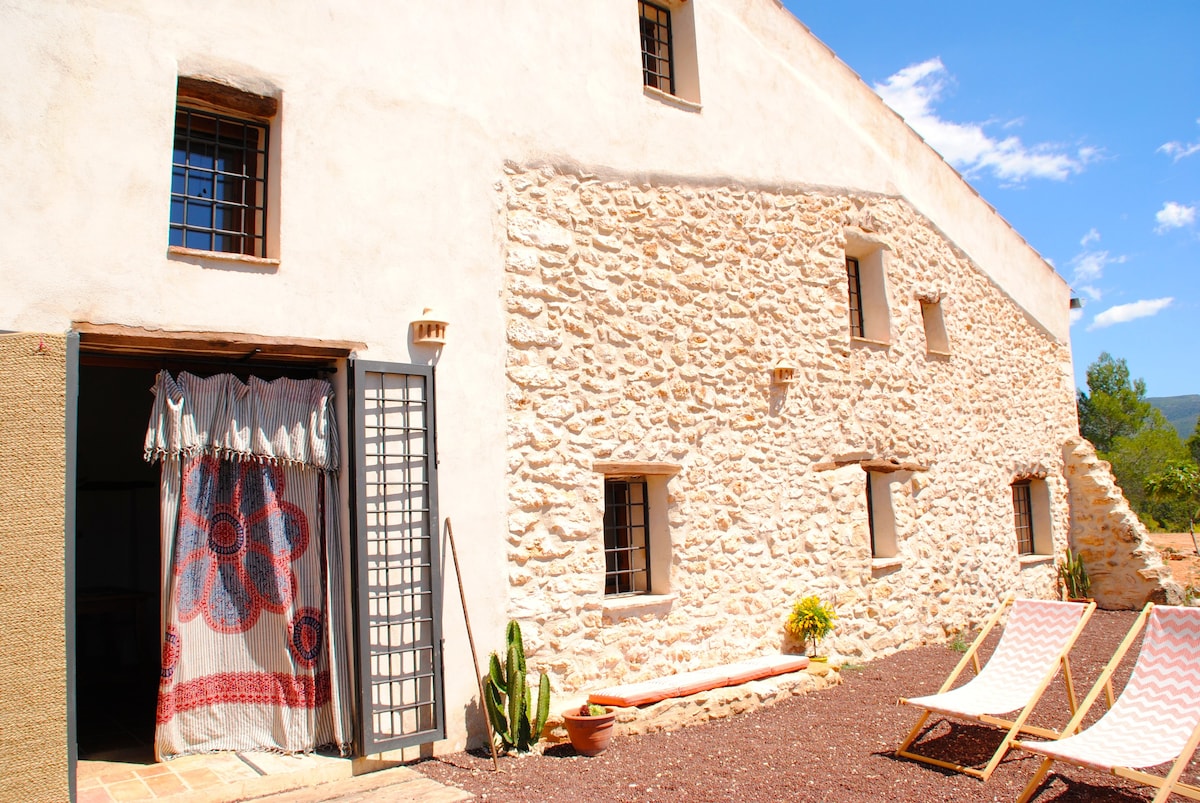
[(219, 181)]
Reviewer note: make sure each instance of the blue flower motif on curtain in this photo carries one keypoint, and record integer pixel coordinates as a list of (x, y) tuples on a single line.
[(237, 540)]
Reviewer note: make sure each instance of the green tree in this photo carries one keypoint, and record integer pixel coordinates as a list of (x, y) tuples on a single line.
[(1193, 443), (1179, 481), (1137, 457), (1114, 407)]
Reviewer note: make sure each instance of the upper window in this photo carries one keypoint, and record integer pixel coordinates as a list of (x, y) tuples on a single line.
[(854, 283), (219, 170), (866, 284), (626, 536), (669, 65), (656, 47)]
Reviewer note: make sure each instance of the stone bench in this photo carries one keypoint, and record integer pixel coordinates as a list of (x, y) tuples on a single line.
[(698, 680)]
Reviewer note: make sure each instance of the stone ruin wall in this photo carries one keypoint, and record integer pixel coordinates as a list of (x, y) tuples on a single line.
[(643, 320), (1125, 568)]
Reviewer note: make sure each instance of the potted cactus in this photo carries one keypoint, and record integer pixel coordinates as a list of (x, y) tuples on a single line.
[(590, 728), (516, 721)]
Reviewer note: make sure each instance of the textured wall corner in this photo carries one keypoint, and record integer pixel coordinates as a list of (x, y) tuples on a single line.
[(1125, 568), (33, 687)]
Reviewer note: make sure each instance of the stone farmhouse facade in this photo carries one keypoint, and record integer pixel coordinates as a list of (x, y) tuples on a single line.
[(657, 302)]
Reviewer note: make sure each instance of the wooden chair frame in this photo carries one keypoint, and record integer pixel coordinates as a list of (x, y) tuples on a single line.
[(1014, 726), (1165, 785)]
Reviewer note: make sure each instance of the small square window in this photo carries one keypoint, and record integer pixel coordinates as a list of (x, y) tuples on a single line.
[(936, 340), (626, 536), (219, 171), (657, 60)]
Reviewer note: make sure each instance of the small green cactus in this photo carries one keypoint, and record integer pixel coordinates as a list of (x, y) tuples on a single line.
[(509, 700)]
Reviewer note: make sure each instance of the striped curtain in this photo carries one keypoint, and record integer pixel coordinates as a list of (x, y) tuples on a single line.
[(254, 631)]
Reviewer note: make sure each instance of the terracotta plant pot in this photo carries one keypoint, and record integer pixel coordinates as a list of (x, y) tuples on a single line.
[(589, 735)]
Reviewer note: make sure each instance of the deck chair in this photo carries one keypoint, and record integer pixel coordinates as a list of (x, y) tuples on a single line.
[(1155, 720), (1032, 648)]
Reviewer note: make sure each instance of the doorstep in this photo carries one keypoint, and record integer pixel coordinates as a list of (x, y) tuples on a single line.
[(209, 778)]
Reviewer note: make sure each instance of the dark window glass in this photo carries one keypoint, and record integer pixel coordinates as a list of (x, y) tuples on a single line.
[(656, 47), (219, 183), (855, 286), (626, 536), (1023, 517)]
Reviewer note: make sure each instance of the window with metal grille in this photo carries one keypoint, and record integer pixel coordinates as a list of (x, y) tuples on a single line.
[(656, 47), (219, 183), (856, 304), (1023, 516), (626, 536)]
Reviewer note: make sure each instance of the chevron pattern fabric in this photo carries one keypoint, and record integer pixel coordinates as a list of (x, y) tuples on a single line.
[(1157, 711), (1037, 633)]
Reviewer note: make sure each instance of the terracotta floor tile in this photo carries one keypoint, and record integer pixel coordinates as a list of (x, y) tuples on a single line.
[(164, 785), (199, 778), (97, 795), (150, 770), (129, 791)]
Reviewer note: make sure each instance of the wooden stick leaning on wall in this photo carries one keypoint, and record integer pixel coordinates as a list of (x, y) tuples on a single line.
[(462, 595)]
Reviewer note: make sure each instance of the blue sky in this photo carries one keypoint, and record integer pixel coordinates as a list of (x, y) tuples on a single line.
[(1080, 123)]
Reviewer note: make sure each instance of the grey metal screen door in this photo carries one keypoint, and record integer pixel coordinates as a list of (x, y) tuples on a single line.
[(397, 581)]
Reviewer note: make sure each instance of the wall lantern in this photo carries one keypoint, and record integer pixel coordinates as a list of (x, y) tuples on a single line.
[(429, 330), (783, 374)]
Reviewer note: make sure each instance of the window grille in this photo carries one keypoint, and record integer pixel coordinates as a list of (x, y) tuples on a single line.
[(219, 183), (657, 61), (626, 536), (856, 305), (1023, 517)]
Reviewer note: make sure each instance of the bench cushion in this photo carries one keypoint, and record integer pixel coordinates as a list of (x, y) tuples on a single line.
[(698, 680)]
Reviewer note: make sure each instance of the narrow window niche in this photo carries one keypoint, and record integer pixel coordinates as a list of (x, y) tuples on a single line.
[(869, 312), (936, 340), (881, 517)]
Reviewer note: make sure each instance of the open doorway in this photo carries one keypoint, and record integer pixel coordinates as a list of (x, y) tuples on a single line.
[(118, 566)]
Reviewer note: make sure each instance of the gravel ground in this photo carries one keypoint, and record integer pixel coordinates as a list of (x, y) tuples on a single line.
[(833, 745)]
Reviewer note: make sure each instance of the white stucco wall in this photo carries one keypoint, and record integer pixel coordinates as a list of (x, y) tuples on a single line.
[(395, 123)]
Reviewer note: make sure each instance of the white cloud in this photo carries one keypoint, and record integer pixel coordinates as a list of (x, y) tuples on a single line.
[(1092, 236), (913, 93), (1123, 313), (1174, 216), (1089, 267), (1177, 150), (1076, 314)]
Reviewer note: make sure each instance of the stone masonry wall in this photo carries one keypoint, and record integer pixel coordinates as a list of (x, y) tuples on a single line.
[(1125, 569), (643, 321)]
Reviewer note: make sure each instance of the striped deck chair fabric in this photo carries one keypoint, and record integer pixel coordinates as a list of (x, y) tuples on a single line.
[(1033, 647), (1157, 717)]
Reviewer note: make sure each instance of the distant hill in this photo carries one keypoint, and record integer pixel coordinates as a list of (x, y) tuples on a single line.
[(1181, 411)]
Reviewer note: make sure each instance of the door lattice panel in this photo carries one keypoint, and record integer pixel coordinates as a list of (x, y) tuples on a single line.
[(399, 633)]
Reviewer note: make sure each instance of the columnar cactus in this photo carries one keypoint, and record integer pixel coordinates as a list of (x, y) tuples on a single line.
[(509, 700)]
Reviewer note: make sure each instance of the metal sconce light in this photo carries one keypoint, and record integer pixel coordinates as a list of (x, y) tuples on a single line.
[(429, 330)]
